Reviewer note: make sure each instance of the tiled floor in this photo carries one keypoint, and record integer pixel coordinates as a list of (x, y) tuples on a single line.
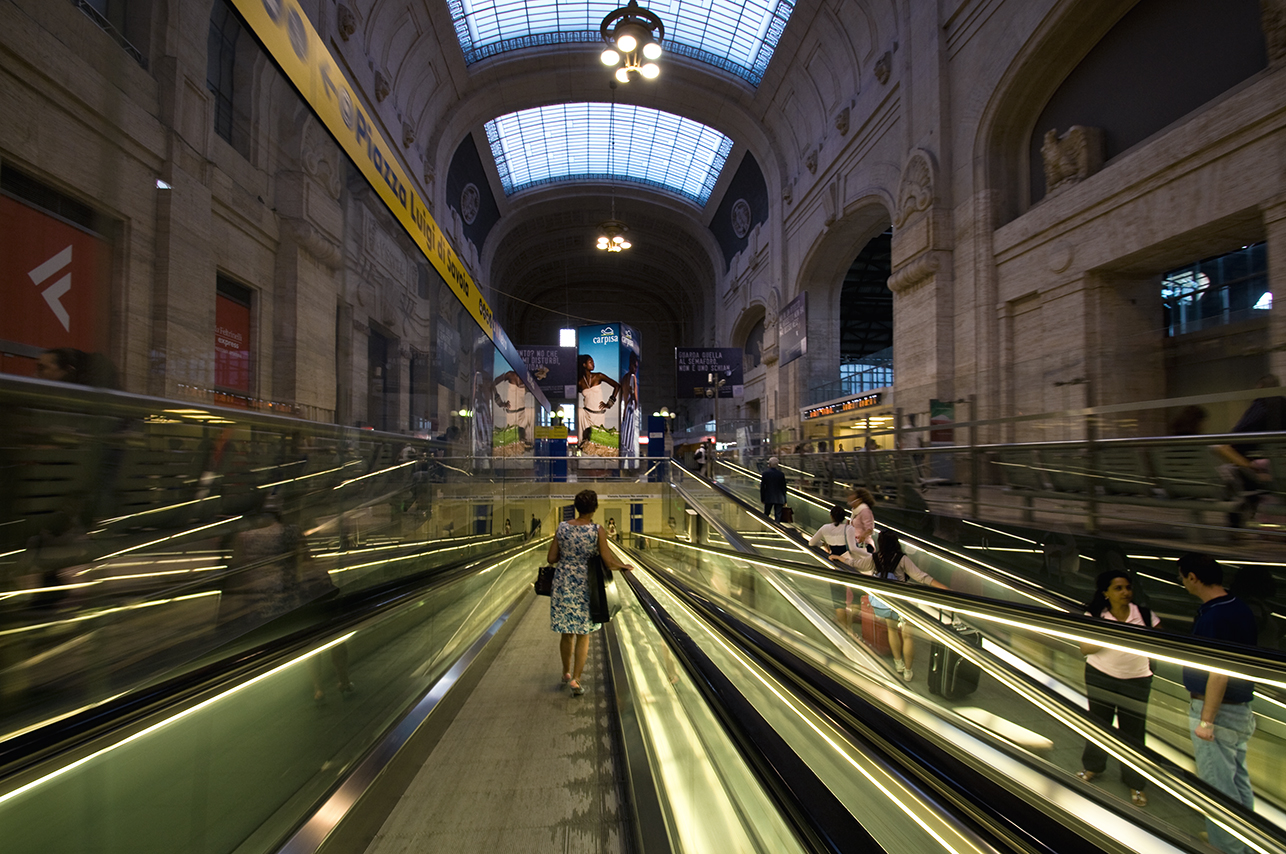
[(525, 767)]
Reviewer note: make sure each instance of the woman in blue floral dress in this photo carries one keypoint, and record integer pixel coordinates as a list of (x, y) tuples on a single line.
[(569, 553)]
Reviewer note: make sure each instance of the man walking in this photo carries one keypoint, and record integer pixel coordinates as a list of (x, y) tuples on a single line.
[(1219, 716), (772, 489)]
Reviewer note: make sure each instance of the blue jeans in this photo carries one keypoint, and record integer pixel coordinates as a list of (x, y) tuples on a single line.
[(1222, 763)]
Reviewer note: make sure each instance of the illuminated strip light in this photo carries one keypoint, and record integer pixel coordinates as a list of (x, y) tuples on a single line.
[(12, 553), (170, 720), (387, 561), (172, 536), (1058, 633), (1001, 533), (307, 476), (94, 615), (1007, 549), (375, 473), (792, 703), (1075, 723), (165, 509), (9, 594)]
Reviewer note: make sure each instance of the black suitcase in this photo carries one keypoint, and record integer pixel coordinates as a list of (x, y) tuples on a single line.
[(950, 675)]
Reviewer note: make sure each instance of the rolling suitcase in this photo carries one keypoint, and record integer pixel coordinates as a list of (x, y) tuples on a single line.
[(874, 634), (950, 675)]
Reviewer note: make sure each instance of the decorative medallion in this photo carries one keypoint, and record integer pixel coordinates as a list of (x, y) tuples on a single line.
[(470, 201), (741, 218)]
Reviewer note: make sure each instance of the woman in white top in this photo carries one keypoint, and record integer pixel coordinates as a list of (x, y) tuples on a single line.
[(890, 562), (1117, 683), (838, 540), (860, 501)]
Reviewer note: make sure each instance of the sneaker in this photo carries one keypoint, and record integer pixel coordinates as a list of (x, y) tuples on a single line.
[(907, 675), (898, 665)]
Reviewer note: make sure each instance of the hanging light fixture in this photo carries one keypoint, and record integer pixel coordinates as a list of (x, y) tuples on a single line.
[(611, 232), (633, 35)]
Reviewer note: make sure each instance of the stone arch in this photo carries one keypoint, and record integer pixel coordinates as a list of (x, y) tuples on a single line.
[(821, 276), (1064, 37)]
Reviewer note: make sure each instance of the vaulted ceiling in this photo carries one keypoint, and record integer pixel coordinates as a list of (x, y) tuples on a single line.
[(539, 261)]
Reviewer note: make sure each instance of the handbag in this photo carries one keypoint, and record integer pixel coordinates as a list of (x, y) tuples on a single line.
[(597, 577), (544, 583), (787, 515)]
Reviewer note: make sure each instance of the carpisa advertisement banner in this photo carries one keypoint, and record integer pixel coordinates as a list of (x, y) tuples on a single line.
[(607, 391)]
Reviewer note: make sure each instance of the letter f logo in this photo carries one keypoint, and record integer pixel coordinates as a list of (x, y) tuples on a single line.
[(54, 292)]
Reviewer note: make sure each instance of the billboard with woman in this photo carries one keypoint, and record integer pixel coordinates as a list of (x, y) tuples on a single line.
[(607, 361)]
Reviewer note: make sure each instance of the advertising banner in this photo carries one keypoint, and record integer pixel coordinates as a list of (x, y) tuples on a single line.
[(53, 280), (554, 369), (512, 410), (231, 344), (631, 422), (607, 406), (792, 329), (700, 371)]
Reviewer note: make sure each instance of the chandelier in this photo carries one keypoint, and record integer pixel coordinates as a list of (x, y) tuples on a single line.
[(611, 232), (633, 35)]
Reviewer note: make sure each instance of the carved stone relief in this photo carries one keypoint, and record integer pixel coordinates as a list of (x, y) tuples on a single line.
[(320, 158), (788, 191), (915, 192), (381, 86), (308, 238), (884, 67), (841, 121), (346, 21), (916, 273), (1072, 157), (408, 135), (810, 160)]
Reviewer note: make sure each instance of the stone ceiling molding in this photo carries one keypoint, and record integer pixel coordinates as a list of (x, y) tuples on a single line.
[(917, 187)]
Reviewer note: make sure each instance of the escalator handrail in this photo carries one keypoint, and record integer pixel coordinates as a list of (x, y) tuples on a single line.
[(1055, 599), (818, 817), (118, 713), (941, 765), (1255, 663)]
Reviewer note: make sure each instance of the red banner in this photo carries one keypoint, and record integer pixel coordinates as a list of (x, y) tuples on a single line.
[(53, 281), (231, 344)]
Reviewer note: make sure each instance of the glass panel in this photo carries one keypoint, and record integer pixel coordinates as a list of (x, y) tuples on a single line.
[(738, 37), (568, 142)]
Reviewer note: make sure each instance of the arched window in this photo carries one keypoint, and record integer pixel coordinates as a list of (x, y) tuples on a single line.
[(866, 319), (221, 63), (752, 353)]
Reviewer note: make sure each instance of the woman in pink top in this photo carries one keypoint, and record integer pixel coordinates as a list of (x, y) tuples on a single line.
[(860, 501), (1117, 683)]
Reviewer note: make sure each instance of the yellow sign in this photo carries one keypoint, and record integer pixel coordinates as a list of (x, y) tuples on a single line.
[(290, 39)]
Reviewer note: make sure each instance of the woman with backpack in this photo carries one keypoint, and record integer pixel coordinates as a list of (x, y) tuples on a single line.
[(891, 563), (1117, 683)]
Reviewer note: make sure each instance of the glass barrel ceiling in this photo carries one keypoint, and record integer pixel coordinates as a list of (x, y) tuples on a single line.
[(570, 142), (737, 36)]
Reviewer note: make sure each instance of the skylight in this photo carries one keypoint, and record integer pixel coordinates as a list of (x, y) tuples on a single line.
[(738, 36), (569, 142)]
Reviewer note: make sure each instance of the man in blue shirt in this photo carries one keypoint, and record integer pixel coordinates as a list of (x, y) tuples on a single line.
[(1219, 715)]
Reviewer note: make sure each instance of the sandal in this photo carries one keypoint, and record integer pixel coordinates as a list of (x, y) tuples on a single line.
[(577, 688), (1138, 798), (567, 677), (1087, 775)]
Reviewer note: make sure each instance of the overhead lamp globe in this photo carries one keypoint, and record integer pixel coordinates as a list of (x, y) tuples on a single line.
[(650, 71), (652, 50), (625, 244), (627, 42), (623, 75), (610, 57)]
